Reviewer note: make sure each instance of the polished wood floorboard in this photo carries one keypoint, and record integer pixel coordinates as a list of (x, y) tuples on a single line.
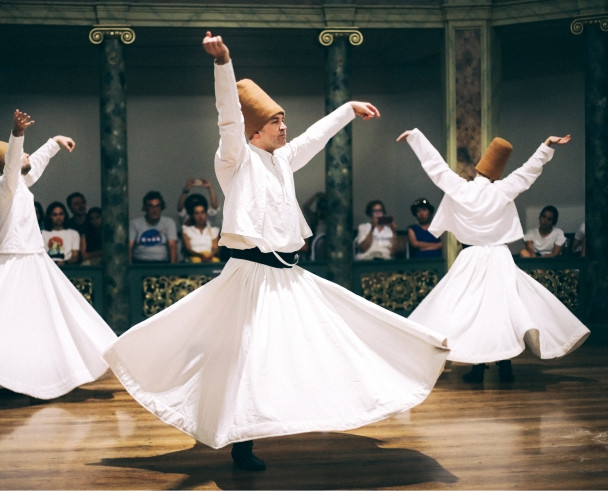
[(547, 430)]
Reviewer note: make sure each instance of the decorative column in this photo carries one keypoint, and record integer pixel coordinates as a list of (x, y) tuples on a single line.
[(596, 171), (338, 156), (468, 88), (114, 174)]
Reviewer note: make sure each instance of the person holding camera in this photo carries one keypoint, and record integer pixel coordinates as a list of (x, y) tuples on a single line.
[(185, 196), (376, 239)]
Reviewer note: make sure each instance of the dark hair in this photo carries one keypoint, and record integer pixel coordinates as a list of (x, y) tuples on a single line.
[(422, 203), (95, 209), (39, 209), (553, 210), (193, 201), (371, 204), (150, 195), (69, 199), (48, 223)]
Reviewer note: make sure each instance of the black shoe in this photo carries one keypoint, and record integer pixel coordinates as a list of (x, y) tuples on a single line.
[(505, 374), (243, 456), (475, 376)]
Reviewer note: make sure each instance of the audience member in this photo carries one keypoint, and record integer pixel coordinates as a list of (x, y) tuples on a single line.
[(192, 182), (580, 241), (547, 240), (78, 207), (200, 238), (39, 214), (62, 244), (423, 243), (153, 237), (376, 239), (315, 211), (91, 245)]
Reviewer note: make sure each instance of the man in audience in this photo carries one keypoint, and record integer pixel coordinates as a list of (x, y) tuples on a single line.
[(77, 204), (153, 237)]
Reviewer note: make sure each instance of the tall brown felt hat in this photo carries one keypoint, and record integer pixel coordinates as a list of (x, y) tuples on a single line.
[(257, 106), (493, 162), (3, 149)]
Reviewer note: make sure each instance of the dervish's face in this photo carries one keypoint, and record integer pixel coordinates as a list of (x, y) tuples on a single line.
[(273, 135), (25, 163)]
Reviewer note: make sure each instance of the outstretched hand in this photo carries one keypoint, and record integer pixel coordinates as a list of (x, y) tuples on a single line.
[(365, 110), (214, 45), (404, 135), (558, 140), (22, 122), (65, 142)]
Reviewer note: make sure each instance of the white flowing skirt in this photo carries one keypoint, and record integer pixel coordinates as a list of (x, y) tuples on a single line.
[(52, 339), (489, 309), (261, 351)]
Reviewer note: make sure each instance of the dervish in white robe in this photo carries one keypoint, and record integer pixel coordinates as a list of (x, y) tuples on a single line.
[(51, 338), (486, 306)]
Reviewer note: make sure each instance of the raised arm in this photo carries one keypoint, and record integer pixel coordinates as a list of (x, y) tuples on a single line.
[(558, 140), (15, 162), (22, 121), (65, 142), (214, 45), (432, 162), (365, 110)]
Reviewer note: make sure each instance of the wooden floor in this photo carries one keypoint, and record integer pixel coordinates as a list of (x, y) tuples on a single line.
[(548, 430)]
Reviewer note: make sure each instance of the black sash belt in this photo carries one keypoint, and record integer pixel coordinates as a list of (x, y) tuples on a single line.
[(267, 258)]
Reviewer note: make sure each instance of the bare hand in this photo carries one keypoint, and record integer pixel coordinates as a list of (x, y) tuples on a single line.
[(216, 48), (558, 140), (365, 110), (65, 142), (403, 136), (22, 122)]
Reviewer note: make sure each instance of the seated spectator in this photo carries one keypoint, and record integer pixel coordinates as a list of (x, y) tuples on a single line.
[(580, 242), (91, 245), (39, 214), (62, 244), (192, 182), (547, 240), (376, 239), (423, 243), (78, 206), (315, 212), (200, 238), (153, 237)]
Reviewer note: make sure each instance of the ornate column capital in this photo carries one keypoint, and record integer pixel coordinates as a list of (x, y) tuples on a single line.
[(577, 25), (99, 33), (327, 36)]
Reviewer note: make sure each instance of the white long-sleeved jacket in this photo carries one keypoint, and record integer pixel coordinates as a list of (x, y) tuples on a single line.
[(477, 212), (19, 230), (261, 209)]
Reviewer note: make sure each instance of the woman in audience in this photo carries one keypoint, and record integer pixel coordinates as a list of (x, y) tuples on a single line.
[(91, 246), (547, 240), (200, 238), (376, 239), (62, 244)]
